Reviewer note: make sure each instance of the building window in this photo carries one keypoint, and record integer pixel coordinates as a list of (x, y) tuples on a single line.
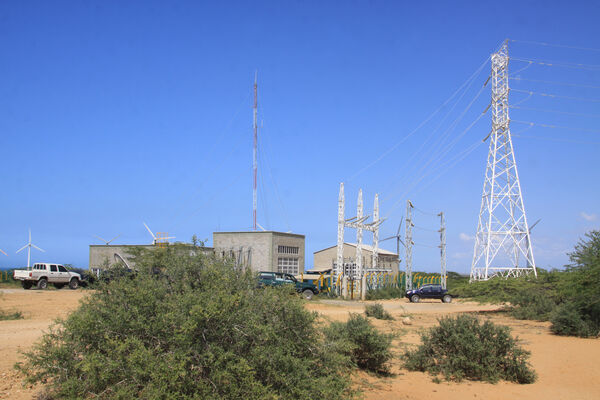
[(287, 250), (287, 265)]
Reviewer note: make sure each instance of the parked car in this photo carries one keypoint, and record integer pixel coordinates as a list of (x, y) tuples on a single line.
[(43, 273), (429, 292), (308, 290)]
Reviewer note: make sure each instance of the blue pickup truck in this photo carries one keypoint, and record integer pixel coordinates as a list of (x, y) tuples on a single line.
[(308, 290), (429, 292)]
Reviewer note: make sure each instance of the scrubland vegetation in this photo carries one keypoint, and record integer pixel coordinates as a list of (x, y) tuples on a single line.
[(569, 299), (193, 327)]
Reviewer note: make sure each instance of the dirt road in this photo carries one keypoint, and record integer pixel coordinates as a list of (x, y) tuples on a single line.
[(567, 367)]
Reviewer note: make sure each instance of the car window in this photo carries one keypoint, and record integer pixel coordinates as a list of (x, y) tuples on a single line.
[(62, 269), (53, 268), (266, 276)]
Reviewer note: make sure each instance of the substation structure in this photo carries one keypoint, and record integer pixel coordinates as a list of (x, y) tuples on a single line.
[(355, 271)]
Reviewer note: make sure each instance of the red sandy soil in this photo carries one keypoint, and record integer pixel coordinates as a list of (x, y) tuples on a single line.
[(567, 367)]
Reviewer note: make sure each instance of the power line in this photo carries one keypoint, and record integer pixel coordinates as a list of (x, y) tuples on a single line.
[(530, 92), (438, 145), (547, 63), (394, 147), (555, 83), (555, 111), (553, 45), (554, 139), (555, 126)]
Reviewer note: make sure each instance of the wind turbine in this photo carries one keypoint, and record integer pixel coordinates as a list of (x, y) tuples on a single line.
[(29, 245), (2, 251), (154, 238), (107, 242), (398, 240)]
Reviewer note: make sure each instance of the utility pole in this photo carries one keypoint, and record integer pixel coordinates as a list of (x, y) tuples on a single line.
[(339, 267), (502, 231), (409, 244), (254, 159), (443, 249)]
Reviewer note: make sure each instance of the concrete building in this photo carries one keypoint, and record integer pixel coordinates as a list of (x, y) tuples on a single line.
[(102, 255), (262, 250), (386, 261)]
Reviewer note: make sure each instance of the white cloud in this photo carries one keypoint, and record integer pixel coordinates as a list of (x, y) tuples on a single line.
[(588, 217), (466, 238)]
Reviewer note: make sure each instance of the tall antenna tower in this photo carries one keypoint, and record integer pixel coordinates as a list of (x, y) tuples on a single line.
[(502, 231), (254, 160)]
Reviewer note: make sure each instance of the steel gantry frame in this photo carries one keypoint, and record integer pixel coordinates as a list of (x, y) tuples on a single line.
[(502, 225), (359, 223)]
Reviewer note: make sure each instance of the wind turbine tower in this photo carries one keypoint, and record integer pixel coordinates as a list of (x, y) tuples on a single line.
[(503, 236)]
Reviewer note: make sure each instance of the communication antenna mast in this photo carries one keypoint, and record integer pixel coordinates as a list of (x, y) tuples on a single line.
[(502, 225), (254, 161)]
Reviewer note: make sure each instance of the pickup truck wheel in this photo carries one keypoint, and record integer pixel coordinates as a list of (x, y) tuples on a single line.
[(307, 294), (447, 298), (74, 284), (415, 298), (26, 285), (42, 284), (59, 285)]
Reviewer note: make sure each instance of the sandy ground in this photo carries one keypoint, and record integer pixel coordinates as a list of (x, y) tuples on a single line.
[(567, 367)]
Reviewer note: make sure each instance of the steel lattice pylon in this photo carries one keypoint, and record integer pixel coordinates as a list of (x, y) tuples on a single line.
[(502, 232)]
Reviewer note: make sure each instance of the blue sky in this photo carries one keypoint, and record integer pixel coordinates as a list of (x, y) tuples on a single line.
[(113, 113)]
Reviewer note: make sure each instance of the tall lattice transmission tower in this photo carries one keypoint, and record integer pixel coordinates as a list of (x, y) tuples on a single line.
[(502, 232)]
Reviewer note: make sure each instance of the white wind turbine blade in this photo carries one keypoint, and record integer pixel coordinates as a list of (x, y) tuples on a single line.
[(23, 248), (113, 238), (153, 237), (257, 224), (98, 237), (3, 252), (33, 245)]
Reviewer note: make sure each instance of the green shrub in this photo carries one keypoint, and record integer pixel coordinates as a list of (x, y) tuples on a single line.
[(357, 338), (188, 327), (377, 311), (566, 320), (532, 305), (462, 348)]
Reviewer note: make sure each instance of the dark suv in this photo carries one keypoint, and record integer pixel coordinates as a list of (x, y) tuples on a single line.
[(308, 290), (429, 292)]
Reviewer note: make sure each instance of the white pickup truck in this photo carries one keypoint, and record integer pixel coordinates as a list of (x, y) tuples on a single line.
[(43, 273)]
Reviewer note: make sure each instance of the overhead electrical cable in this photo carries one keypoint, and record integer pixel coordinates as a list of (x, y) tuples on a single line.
[(555, 83), (440, 139), (553, 45), (395, 146), (438, 150), (554, 139), (554, 111), (589, 67), (551, 95), (555, 126)]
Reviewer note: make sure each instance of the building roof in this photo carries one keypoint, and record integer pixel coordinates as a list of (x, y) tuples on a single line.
[(261, 232), (366, 247)]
